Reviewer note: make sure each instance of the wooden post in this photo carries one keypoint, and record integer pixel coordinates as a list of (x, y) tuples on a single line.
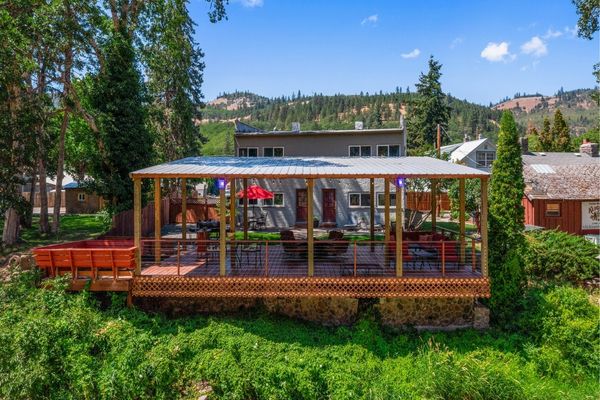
[(222, 233), (137, 223), (433, 186), (386, 213), (484, 226), (372, 213), (184, 209), (309, 226), (232, 205), (245, 183), (157, 220), (461, 218), (399, 223)]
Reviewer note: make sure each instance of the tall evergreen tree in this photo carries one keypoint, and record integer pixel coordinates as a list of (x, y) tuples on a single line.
[(124, 144), (429, 108), (506, 221), (545, 136), (561, 137)]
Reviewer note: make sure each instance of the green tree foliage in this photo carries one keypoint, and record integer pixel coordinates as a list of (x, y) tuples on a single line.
[(428, 109), (124, 143), (174, 69), (559, 256), (589, 13), (593, 135), (546, 141), (560, 133), (506, 219), (472, 196)]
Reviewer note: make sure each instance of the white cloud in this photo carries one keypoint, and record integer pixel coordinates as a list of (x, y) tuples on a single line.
[(495, 52), (550, 34), (532, 66), (456, 42), (371, 19), (413, 54), (251, 3), (571, 31), (535, 47)]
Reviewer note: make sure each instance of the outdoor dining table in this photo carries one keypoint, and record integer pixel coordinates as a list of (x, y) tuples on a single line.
[(422, 254)]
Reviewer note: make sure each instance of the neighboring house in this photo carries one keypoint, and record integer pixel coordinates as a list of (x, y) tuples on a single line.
[(50, 191), (479, 153), (562, 189), (337, 202), (78, 201)]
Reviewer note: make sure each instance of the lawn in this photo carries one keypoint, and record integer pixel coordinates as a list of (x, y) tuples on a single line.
[(72, 227)]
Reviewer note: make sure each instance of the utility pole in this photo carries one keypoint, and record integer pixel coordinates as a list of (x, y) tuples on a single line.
[(439, 140)]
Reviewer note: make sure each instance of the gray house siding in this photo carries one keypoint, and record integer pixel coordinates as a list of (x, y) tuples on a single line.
[(319, 144), (285, 216)]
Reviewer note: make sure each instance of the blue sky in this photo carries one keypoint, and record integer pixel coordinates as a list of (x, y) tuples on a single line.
[(488, 49)]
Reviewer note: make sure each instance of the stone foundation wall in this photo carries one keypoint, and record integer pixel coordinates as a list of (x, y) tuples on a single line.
[(424, 313)]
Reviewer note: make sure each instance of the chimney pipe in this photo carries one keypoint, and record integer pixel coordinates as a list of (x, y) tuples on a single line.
[(588, 148)]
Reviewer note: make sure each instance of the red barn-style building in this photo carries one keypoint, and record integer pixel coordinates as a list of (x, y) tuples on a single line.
[(563, 190)]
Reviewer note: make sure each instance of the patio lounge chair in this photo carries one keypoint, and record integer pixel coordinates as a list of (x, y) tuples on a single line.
[(293, 246)]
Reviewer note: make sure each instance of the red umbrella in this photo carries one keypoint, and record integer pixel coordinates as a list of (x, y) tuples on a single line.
[(255, 192)]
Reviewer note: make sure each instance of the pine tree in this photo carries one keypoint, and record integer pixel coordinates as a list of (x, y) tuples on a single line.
[(545, 136), (430, 108), (124, 143), (561, 137), (506, 221)]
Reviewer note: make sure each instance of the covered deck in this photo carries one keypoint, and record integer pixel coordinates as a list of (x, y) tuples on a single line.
[(402, 264)]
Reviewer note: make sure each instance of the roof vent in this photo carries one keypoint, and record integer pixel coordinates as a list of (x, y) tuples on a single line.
[(295, 126), (542, 154), (577, 154), (358, 125)]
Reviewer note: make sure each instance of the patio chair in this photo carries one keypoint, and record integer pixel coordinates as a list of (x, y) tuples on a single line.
[(293, 246)]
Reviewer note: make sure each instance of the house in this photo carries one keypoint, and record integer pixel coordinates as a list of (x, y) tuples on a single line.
[(339, 202), (562, 189), (479, 153), (80, 201)]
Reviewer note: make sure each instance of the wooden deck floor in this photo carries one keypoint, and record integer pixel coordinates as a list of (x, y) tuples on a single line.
[(275, 263)]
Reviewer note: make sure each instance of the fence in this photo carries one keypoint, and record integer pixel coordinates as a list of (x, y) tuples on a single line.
[(122, 223)]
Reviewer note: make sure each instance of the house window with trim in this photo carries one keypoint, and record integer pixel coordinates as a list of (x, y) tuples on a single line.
[(388, 150), (251, 202), (485, 158), (381, 200), (359, 151), (81, 197), (552, 209), (276, 201), (356, 200), (272, 151), (248, 152)]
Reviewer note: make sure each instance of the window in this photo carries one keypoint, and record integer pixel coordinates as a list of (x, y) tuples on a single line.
[(388, 150), (81, 197), (251, 202), (552, 210), (485, 158), (359, 199), (248, 152), (359, 151), (276, 201), (272, 151), (381, 200)]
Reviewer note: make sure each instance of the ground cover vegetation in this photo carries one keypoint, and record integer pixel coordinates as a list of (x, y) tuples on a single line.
[(79, 346)]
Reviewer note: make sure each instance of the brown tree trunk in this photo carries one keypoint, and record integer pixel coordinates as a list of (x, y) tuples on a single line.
[(60, 173), (44, 226), (28, 220), (10, 233)]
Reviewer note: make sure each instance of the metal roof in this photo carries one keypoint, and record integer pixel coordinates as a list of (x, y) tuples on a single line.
[(459, 151), (554, 158), (309, 167)]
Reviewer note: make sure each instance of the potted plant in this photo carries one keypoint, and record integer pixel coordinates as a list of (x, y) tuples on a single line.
[(315, 222)]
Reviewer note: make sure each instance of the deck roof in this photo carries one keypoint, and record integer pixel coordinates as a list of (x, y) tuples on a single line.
[(309, 167)]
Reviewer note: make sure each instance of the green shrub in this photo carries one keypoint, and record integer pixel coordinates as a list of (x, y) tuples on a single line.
[(560, 256)]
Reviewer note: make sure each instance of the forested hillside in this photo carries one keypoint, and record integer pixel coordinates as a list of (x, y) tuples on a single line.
[(332, 112)]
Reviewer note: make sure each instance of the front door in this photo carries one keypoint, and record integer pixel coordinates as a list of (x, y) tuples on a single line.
[(301, 206), (329, 207)]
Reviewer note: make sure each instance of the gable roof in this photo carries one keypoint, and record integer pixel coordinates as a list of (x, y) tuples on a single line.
[(460, 151), (555, 158), (562, 182)]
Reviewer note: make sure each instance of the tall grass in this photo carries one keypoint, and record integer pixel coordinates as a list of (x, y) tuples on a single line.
[(76, 346)]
